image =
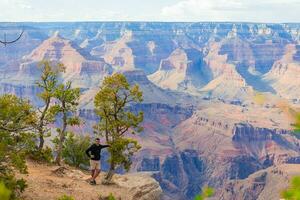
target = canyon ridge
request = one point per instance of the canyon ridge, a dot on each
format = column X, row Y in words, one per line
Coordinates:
column 219, row 98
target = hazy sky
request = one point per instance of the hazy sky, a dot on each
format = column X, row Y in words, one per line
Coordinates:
column 151, row 10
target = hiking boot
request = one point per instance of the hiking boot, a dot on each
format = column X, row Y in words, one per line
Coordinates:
column 93, row 182
column 88, row 180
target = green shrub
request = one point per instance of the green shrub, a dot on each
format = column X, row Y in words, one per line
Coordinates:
column 65, row 197
column 111, row 197
column 13, row 185
column 44, row 155
column 297, row 126
column 293, row 192
column 4, row 192
column 206, row 193
column 74, row 149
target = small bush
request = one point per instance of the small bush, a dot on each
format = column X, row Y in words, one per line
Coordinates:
column 293, row 192
column 111, row 197
column 12, row 186
column 206, row 193
column 65, row 197
column 74, row 150
column 4, row 192
column 45, row 155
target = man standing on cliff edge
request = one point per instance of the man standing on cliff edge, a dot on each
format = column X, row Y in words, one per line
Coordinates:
column 94, row 153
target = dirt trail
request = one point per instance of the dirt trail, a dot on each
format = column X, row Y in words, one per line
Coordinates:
column 44, row 184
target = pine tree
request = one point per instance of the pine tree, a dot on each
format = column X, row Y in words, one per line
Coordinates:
column 117, row 121
column 47, row 83
column 16, row 139
column 67, row 102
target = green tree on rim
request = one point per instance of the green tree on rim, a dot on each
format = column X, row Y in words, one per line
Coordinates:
column 67, row 102
column 48, row 83
column 16, row 138
column 117, row 121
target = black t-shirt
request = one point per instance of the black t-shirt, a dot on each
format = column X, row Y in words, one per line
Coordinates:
column 95, row 150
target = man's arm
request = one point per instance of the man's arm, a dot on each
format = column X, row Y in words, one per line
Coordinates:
column 105, row 146
column 88, row 151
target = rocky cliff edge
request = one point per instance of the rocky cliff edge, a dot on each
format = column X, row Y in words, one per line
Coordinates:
column 51, row 182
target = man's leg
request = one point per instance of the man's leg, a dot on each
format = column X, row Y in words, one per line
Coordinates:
column 97, row 170
column 93, row 169
column 92, row 174
column 93, row 178
column 96, row 174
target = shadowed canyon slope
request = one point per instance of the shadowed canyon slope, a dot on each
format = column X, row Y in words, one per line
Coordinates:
column 217, row 96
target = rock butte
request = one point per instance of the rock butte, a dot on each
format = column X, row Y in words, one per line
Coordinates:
column 219, row 98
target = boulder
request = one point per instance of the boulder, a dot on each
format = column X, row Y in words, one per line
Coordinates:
column 140, row 185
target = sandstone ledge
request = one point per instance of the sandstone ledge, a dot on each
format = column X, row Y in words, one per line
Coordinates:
column 51, row 182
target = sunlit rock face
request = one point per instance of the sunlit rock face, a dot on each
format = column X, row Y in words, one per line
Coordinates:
column 204, row 123
column 183, row 70
column 284, row 74
column 263, row 184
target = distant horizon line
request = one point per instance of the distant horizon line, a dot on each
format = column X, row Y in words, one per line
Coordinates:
column 141, row 21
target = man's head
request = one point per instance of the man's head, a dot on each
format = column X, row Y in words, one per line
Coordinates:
column 97, row 141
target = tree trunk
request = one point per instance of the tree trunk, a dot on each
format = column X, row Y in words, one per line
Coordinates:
column 42, row 141
column 110, row 173
column 41, row 125
column 61, row 139
column 59, row 150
